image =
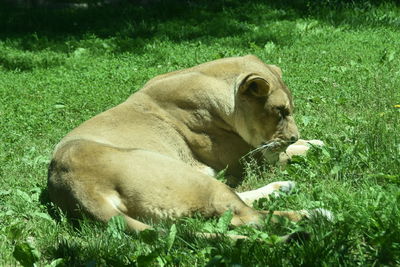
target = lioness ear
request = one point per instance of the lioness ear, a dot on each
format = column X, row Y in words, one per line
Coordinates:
column 276, row 69
column 255, row 86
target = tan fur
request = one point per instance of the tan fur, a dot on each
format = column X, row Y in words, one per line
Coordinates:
column 152, row 156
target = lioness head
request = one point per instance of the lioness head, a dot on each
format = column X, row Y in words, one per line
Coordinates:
column 264, row 109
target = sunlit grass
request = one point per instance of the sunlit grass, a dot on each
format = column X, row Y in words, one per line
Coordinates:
column 59, row 68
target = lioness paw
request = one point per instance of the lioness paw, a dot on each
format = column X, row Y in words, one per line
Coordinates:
column 264, row 192
column 316, row 142
column 275, row 188
column 303, row 142
column 300, row 148
column 283, row 186
column 320, row 212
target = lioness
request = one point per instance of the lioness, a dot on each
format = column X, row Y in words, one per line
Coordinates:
column 154, row 156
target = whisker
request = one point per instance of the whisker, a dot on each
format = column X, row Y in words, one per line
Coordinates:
column 262, row 147
column 268, row 146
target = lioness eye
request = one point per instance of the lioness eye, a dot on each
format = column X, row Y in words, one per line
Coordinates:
column 283, row 112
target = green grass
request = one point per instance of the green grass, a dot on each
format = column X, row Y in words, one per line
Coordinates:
column 58, row 68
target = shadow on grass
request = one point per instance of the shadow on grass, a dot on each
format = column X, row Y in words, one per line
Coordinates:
column 132, row 20
column 45, row 38
column 75, row 253
column 132, row 25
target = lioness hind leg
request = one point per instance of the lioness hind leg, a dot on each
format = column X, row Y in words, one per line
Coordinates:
column 298, row 215
column 264, row 192
column 80, row 184
column 255, row 218
column 97, row 206
column 106, row 209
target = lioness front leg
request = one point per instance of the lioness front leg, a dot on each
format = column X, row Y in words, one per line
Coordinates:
column 274, row 188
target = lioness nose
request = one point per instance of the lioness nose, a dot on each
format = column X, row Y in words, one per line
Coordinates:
column 293, row 139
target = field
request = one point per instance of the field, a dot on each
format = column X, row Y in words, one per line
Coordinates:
column 60, row 67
